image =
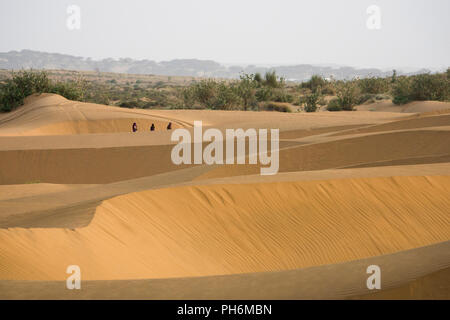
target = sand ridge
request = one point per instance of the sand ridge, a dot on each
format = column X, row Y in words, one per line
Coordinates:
column 256, row 227
column 79, row 188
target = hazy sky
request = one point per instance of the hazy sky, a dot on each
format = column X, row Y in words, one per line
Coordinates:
column 414, row 33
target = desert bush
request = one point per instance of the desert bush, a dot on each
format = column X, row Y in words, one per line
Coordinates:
column 401, row 90
column 430, row 87
column 373, row 85
column 21, row 84
column 371, row 98
column 382, row 97
column 159, row 85
column 274, row 106
column 271, row 80
column 226, row 97
column 155, row 97
column 211, row 94
column 188, row 97
column 258, row 78
column 347, row 94
column 328, row 89
column 264, row 94
column 314, row 83
column 280, row 95
column 394, row 76
column 311, row 101
column 246, row 90
column 73, row 90
column 334, row 105
column 205, row 92
column 132, row 104
column 322, row 101
column 102, row 99
column 421, row 87
column 366, row 98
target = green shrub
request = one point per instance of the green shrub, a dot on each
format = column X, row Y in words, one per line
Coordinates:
column 246, row 90
column 311, row 101
column 371, row 98
column 322, row 101
column 314, row 83
column 430, row 87
column 382, row 97
column 69, row 90
column 264, row 94
column 205, row 92
column 188, row 97
column 366, row 98
column 257, row 77
column 334, row 105
column 226, row 97
column 15, row 89
column 22, row 84
column 271, row 80
column 394, row 76
column 402, row 91
column 328, row 90
column 373, row 85
column 280, row 95
column 421, row 87
column 131, row 104
column 347, row 94
column 273, row 106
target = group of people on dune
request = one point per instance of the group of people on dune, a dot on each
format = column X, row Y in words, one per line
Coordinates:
column 134, row 127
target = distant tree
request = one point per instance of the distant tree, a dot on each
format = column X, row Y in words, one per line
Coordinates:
column 347, row 94
column 258, row 78
column 271, row 80
column 246, row 90
column 394, row 76
column 312, row 100
column 21, row 84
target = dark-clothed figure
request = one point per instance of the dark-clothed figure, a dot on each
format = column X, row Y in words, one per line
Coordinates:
column 169, row 126
column 152, row 128
column 134, row 127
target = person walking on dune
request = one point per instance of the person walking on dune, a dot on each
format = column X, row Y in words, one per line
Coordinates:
column 169, row 126
column 134, row 127
column 152, row 128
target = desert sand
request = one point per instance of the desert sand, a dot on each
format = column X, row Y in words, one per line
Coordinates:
column 353, row 189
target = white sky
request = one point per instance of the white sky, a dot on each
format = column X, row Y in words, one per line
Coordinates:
column 414, row 33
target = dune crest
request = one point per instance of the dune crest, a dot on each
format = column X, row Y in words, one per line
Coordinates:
column 51, row 114
column 353, row 188
column 226, row 229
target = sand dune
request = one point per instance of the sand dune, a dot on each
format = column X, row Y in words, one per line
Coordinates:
column 412, row 107
column 75, row 207
column 85, row 166
column 354, row 188
column 213, row 230
column 412, row 123
column 428, row 279
column 8, row 192
column 105, row 165
column 408, row 147
column 50, row 114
